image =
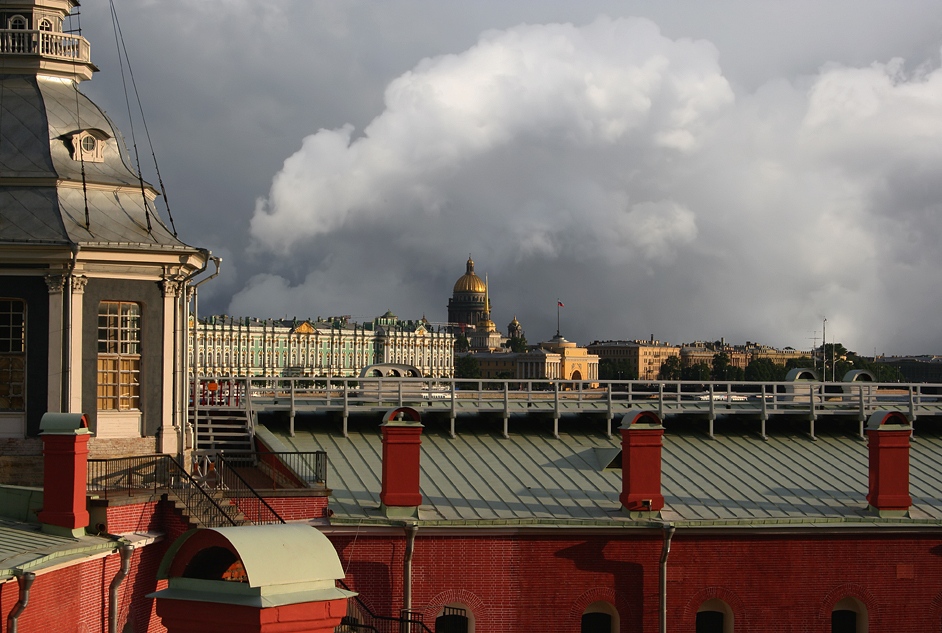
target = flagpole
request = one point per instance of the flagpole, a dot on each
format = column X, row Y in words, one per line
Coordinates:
column 557, row 315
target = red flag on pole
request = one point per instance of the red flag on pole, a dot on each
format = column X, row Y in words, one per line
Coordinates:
column 560, row 304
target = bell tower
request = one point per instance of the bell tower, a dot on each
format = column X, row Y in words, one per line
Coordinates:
column 92, row 280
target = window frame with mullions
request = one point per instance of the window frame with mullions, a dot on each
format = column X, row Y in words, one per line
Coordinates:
column 12, row 355
column 119, row 356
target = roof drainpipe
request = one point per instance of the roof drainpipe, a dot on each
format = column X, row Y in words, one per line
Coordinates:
column 662, row 577
column 25, row 581
column 411, row 529
column 126, row 551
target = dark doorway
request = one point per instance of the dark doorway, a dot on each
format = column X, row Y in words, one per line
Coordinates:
column 710, row 622
column 452, row 620
column 596, row 623
column 843, row 621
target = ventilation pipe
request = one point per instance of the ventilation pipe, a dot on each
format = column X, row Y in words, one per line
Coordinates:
column 662, row 577
column 25, row 581
column 126, row 552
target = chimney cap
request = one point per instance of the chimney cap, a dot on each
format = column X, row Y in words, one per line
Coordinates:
column 64, row 424
column 402, row 416
column 641, row 420
column 888, row 421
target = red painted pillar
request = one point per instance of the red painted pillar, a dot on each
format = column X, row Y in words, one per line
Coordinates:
column 641, row 442
column 402, row 441
column 65, row 469
column 191, row 616
column 888, row 434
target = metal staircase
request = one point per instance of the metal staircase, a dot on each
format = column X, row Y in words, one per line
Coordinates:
column 224, row 429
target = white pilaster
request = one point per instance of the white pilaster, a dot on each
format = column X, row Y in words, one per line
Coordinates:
column 169, row 428
column 55, row 283
column 77, row 297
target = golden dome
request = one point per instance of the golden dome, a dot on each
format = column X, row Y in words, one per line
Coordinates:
column 469, row 282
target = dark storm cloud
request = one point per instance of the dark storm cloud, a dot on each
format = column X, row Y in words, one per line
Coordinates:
column 736, row 170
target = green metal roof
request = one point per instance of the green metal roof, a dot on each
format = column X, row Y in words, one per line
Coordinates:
column 737, row 479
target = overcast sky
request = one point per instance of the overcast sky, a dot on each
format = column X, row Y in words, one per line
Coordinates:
column 686, row 170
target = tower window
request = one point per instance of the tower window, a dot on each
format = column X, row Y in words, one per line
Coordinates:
column 119, row 356
column 89, row 146
column 12, row 355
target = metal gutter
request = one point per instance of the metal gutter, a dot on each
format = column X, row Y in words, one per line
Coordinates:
column 126, row 551
column 25, row 581
column 411, row 528
column 662, row 577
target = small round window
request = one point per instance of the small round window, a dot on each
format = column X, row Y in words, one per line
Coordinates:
column 88, row 144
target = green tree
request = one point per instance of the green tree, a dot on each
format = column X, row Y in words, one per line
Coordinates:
column 616, row 369
column 764, row 370
column 517, row 344
column 699, row 372
column 723, row 369
column 671, row 369
column 461, row 343
column 467, row 367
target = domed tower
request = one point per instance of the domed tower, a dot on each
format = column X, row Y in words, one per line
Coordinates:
column 468, row 303
column 92, row 282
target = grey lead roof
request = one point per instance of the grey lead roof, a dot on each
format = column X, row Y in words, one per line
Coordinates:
column 481, row 478
column 38, row 117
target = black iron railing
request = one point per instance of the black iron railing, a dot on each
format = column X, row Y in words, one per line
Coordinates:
column 238, row 491
column 203, row 497
column 360, row 618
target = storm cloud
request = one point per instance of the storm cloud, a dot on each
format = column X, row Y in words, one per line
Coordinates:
column 689, row 175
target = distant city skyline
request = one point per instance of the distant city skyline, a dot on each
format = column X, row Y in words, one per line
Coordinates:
column 741, row 169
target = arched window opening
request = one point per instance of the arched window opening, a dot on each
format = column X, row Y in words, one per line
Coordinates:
column 849, row 616
column 714, row 616
column 600, row 617
column 455, row 618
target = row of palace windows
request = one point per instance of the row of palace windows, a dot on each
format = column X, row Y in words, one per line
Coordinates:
column 715, row 616
column 119, row 355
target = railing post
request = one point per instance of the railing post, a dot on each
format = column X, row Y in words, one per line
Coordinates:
column 506, row 408
column 611, row 414
column 556, row 409
column 291, row 415
column 454, row 405
column 765, row 411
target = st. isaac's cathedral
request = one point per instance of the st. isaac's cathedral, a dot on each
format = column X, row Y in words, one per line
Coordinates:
column 469, row 313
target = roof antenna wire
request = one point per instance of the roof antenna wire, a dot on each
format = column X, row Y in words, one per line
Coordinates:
column 119, row 43
column 78, row 120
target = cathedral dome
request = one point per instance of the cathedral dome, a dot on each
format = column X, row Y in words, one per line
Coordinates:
column 470, row 282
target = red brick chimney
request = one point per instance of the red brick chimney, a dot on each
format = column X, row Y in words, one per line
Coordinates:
column 402, row 440
column 65, row 469
column 888, row 433
column 641, row 443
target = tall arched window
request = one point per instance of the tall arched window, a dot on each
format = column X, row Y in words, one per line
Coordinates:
column 714, row 616
column 849, row 616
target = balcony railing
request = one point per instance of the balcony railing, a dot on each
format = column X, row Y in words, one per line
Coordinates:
column 45, row 44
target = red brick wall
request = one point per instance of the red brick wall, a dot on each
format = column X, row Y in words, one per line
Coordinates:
column 771, row 584
column 297, row 508
column 75, row 599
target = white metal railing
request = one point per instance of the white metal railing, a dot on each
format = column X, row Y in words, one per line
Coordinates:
column 44, row 43
column 666, row 397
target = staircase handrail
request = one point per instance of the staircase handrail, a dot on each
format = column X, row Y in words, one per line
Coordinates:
column 213, row 519
column 409, row 622
column 274, row 517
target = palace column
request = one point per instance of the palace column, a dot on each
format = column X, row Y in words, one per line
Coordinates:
column 170, row 341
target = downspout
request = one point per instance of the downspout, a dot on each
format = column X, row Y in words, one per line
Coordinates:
column 411, row 529
column 662, row 577
column 25, row 581
column 207, row 256
column 126, row 551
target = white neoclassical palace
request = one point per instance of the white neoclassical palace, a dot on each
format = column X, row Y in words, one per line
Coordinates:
column 331, row 347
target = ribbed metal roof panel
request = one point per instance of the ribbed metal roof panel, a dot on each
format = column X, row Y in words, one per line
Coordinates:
column 738, row 477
